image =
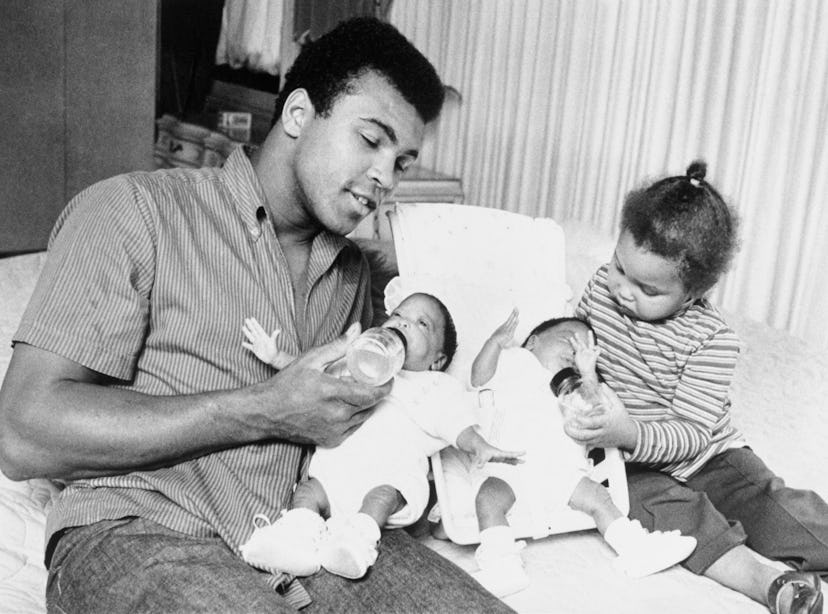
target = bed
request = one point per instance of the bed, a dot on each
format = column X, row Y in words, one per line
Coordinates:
column 779, row 394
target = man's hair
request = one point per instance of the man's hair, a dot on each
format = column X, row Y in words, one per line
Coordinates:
column 552, row 323
column 327, row 67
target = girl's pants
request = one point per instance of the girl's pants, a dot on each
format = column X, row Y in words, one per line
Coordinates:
column 734, row 499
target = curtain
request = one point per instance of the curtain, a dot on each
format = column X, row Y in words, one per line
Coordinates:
column 566, row 105
column 251, row 33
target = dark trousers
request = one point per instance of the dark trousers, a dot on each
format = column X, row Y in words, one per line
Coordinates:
column 734, row 499
column 138, row 566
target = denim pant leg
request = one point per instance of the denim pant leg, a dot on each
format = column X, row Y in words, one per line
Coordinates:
column 782, row 523
column 136, row 566
column 662, row 503
column 408, row 577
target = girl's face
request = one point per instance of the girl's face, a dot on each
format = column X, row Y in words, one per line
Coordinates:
column 421, row 322
column 645, row 286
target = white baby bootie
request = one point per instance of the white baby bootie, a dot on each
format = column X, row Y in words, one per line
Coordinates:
column 351, row 546
column 291, row 544
column 498, row 556
column 641, row 552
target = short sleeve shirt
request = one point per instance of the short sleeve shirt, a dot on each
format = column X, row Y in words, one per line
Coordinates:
column 148, row 280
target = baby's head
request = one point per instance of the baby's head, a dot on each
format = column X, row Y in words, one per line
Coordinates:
column 677, row 238
column 550, row 342
column 429, row 331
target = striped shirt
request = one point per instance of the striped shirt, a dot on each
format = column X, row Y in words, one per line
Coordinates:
column 673, row 376
column 148, row 280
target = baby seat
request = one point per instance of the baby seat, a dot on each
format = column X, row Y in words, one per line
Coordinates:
column 481, row 263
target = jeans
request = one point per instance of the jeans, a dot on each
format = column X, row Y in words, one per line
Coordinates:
column 734, row 499
column 134, row 565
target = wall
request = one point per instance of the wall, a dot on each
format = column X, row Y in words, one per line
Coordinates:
column 78, row 103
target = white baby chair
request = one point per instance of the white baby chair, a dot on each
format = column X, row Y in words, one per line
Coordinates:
column 481, row 263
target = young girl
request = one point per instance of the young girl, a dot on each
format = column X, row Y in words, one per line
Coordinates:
column 669, row 356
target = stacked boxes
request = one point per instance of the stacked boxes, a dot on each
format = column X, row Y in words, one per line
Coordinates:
column 188, row 145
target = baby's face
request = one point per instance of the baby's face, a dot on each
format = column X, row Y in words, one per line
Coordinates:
column 420, row 320
column 553, row 347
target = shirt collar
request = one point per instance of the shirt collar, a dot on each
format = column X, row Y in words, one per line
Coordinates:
column 248, row 197
column 245, row 189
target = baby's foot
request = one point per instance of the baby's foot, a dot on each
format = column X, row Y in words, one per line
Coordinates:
column 291, row 544
column 501, row 567
column 351, row 546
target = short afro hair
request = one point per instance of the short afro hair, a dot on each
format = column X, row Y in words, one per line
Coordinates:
column 327, row 67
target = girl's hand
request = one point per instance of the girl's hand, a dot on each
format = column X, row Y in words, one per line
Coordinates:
column 264, row 345
column 612, row 428
column 505, row 333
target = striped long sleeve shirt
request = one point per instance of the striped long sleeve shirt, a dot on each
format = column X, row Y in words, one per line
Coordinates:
column 672, row 375
column 148, row 280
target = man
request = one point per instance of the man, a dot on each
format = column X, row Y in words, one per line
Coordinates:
column 129, row 379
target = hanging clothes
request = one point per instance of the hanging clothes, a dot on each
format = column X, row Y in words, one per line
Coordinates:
column 251, row 35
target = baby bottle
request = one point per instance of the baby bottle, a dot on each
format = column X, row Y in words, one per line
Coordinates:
column 376, row 355
column 578, row 397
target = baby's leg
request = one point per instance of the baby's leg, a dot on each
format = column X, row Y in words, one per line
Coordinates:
column 494, row 500
column 381, row 502
column 311, row 495
column 352, row 545
column 592, row 498
column 640, row 553
column 501, row 568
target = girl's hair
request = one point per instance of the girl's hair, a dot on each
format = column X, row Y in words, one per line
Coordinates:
column 684, row 219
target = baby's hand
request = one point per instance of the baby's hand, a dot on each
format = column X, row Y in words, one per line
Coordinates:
column 505, row 333
column 264, row 345
column 488, row 453
column 586, row 354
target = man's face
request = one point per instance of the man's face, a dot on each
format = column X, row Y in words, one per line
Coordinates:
column 347, row 162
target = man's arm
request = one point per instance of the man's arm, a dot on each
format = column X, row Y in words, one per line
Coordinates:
column 60, row 420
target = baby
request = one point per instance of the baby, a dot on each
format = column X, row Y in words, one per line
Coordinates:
column 378, row 476
column 520, row 377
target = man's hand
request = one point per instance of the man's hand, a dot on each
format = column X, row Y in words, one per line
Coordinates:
column 612, row 428
column 315, row 407
column 264, row 345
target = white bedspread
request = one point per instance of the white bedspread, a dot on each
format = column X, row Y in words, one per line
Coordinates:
column 779, row 393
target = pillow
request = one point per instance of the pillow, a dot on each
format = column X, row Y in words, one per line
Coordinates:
column 478, row 308
column 382, row 260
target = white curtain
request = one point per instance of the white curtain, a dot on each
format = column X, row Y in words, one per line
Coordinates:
column 251, row 32
column 568, row 104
